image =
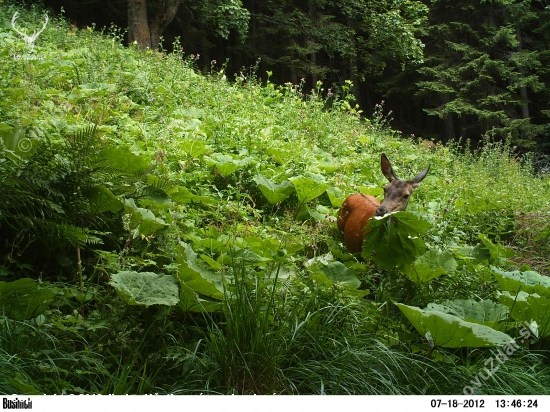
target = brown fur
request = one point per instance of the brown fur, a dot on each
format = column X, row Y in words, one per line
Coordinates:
column 354, row 215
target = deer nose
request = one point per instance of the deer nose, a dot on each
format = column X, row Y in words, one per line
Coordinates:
column 381, row 211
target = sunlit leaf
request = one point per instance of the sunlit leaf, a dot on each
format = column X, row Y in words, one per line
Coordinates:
column 474, row 254
column 122, row 159
column 143, row 220
column 450, row 331
column 527, row 281
column 328, row 272
column 336, row 196
column 194, row 147
column 485, row 312
column 308, row 187
column 201, row 289
column 227, row 164
column 182, row 195
column 526, row 307
column 146, row 288
column 339, row 273
column 497, row 252
column 266, row 247
column 431, row 265
column 325, row 161
column 274, row 192
column 281, row 155
column 375, row 191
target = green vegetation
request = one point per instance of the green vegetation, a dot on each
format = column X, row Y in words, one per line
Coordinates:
column 169, row 232
column 447, row 69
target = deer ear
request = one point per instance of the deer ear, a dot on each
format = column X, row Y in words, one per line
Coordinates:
column 416, row 181
column 386, row 168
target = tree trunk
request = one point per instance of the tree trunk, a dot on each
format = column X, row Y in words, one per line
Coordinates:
column 139, row 30
column 166, row 12
column 138, row 24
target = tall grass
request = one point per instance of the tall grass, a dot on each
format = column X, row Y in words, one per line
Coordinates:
column 258, row 348
column 251, row 343
column 34, row 360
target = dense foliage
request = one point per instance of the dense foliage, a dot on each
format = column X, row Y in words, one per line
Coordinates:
column 172, row 232
column 484, row 70
column 447, row 69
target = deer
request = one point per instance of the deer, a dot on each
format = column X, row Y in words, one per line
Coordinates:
column 357, row 209
column 29, row 40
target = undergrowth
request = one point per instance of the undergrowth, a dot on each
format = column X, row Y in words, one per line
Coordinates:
column 220, row 194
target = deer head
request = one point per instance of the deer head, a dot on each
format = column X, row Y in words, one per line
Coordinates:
column 397, row 192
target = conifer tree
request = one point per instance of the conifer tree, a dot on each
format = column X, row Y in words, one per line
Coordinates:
column 481, row 68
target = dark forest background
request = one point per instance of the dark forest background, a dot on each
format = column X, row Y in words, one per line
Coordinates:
column 445, row 69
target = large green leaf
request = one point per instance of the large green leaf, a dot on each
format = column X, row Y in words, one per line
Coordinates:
column 308, row 187
column 281, row 154
column 146, row 288
column 336, row 196
column 227, row 164
column 267, row 247
column 188, row 113
column 527, row 281
column 195, row 147
column 24, row 298
column 182, row 195
column 143, row 220
column 17, row 141
column 375, row 191
column 325, row 161
column 337, row 272
column 485, row 312
column 496, row 251
column 526, row 307
column 201, row 290
column 180, row 126
column 473, row 254
column 394, row 240
column 431, row 265
column 442, row 329
column 270, row 246
column 95, row 89
column 103, row 200
column 328, row 273
column 274, row 192
column 122, row 159
column 248, row 255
